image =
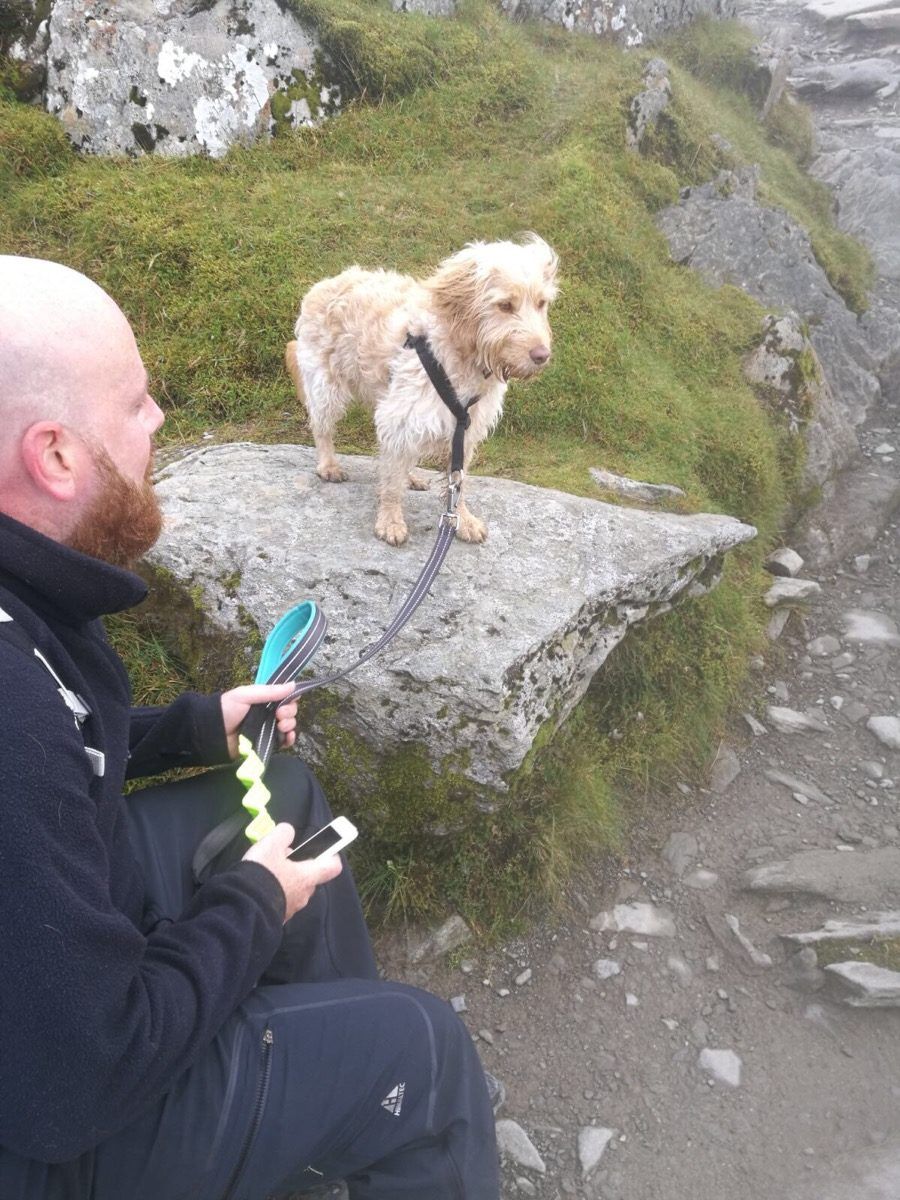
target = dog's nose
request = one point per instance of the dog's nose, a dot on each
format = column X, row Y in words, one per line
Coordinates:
column 539, row 354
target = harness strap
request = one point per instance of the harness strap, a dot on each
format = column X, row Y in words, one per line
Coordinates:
column 447, row 392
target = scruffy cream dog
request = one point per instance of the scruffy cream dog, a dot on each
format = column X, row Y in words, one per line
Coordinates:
column 484, row 313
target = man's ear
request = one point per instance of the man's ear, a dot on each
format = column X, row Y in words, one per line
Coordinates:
column 54, row 458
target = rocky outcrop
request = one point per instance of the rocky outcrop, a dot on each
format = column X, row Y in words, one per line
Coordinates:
column 786, row 370
column 866, row 185
column 721, row 230
column 649, row 105
column 503, row 648
column 631, row 22
column 179, row 77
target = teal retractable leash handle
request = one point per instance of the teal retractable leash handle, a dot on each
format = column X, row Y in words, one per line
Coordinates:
column 288, row 648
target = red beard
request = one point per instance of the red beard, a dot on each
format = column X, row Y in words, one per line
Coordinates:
column 123, row 521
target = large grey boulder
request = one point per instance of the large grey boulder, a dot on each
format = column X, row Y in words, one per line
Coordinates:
column 866, row 183
column 721, row 230
column 180, row 77
column 505, row 645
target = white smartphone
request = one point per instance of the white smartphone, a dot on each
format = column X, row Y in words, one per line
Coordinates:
column 329, row 840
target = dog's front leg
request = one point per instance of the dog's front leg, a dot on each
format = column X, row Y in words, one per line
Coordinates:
column 393, row 479
column 469, row 527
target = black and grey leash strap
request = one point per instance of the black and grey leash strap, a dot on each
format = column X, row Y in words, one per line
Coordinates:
column 260, row 725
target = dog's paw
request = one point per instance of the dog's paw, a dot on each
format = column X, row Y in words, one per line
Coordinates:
column 417, row 484
column 470, row 528
column 391, row 529
column 332, row 473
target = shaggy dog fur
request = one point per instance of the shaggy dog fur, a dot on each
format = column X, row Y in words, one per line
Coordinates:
column 484, row 312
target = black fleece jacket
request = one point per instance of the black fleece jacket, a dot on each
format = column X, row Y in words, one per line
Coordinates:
column 98, row 1017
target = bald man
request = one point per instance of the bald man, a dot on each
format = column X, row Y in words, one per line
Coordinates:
column 160, row 1038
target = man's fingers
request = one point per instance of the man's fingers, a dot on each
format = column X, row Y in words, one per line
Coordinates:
column 261, row 693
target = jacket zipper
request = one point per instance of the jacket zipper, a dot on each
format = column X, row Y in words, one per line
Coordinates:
column 268, row 1040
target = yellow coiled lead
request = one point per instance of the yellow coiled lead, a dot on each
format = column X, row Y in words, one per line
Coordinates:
column 250, row 773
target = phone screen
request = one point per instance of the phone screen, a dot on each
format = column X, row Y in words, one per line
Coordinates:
column 317, row 844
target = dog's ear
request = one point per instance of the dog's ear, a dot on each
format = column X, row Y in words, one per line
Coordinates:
column 457, row 288
column 547, row 256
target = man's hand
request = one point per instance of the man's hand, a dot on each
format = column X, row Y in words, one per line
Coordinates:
column 238, row 702
column 298, row 879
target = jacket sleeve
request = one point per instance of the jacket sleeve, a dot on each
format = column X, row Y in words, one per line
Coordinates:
column 97, row 1020
column 188, row 733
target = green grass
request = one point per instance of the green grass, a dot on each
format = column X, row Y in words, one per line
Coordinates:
column 881, row 952
column 462, row 130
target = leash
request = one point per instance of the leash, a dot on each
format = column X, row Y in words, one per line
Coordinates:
column 299, row 633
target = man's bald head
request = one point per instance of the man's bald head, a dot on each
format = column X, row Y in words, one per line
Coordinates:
column 61, row 336
column 76, row 419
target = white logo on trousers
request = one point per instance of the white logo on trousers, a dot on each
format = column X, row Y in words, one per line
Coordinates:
column 393, row 1101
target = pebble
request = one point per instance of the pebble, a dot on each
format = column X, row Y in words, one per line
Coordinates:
column 861, row 563
column 843, row 660
column 790, row 591
column 642, row 918
column 680, row 851
column 788, row 720
column 723, row 1065
column 885, row 448
column 784, row 562
column 525, row 1186
column 821, row 647
column 606, row 968
column 871, row 628
column 756, row 727
column 486, row 1036
column 592, row 1142
column 701, row 880
column 458, row 1004
column 523, row 978
column 631, row 1000
column 515, row 1143
column 886, row 729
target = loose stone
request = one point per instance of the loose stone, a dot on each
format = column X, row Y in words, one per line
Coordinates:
column 640, row 918
column 680, row 851
column 606, row 968
column 515, row 1143
column 872, row 628
column 821, row 647
column 701, row 880
column 791, row 591
column 756, row 727
column 872, row 987
column 887, row 730
column 592, row 1142
column 788, row 720
column 757, row 957
column 458, row 1004
column 723, row 1065
column 784, row 562
column 524, row 977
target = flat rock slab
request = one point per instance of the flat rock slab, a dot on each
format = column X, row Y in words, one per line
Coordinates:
column 887, row 926
column 508, row 639
column 870, row 986
column 870, row 877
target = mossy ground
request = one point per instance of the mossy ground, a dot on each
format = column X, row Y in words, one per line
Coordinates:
column 476, row 129
column 882, row 952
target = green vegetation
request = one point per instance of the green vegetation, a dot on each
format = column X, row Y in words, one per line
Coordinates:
column 474, row 129
column 881, row 952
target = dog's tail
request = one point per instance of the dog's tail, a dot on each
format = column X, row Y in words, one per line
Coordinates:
column 293, row 367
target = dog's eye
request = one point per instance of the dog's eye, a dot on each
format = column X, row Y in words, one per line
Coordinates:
column 506, row 306
column 541, row 304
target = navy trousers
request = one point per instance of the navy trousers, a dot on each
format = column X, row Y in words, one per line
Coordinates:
column 325, row 1072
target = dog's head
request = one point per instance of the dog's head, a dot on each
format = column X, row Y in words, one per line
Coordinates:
column 494, row 298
